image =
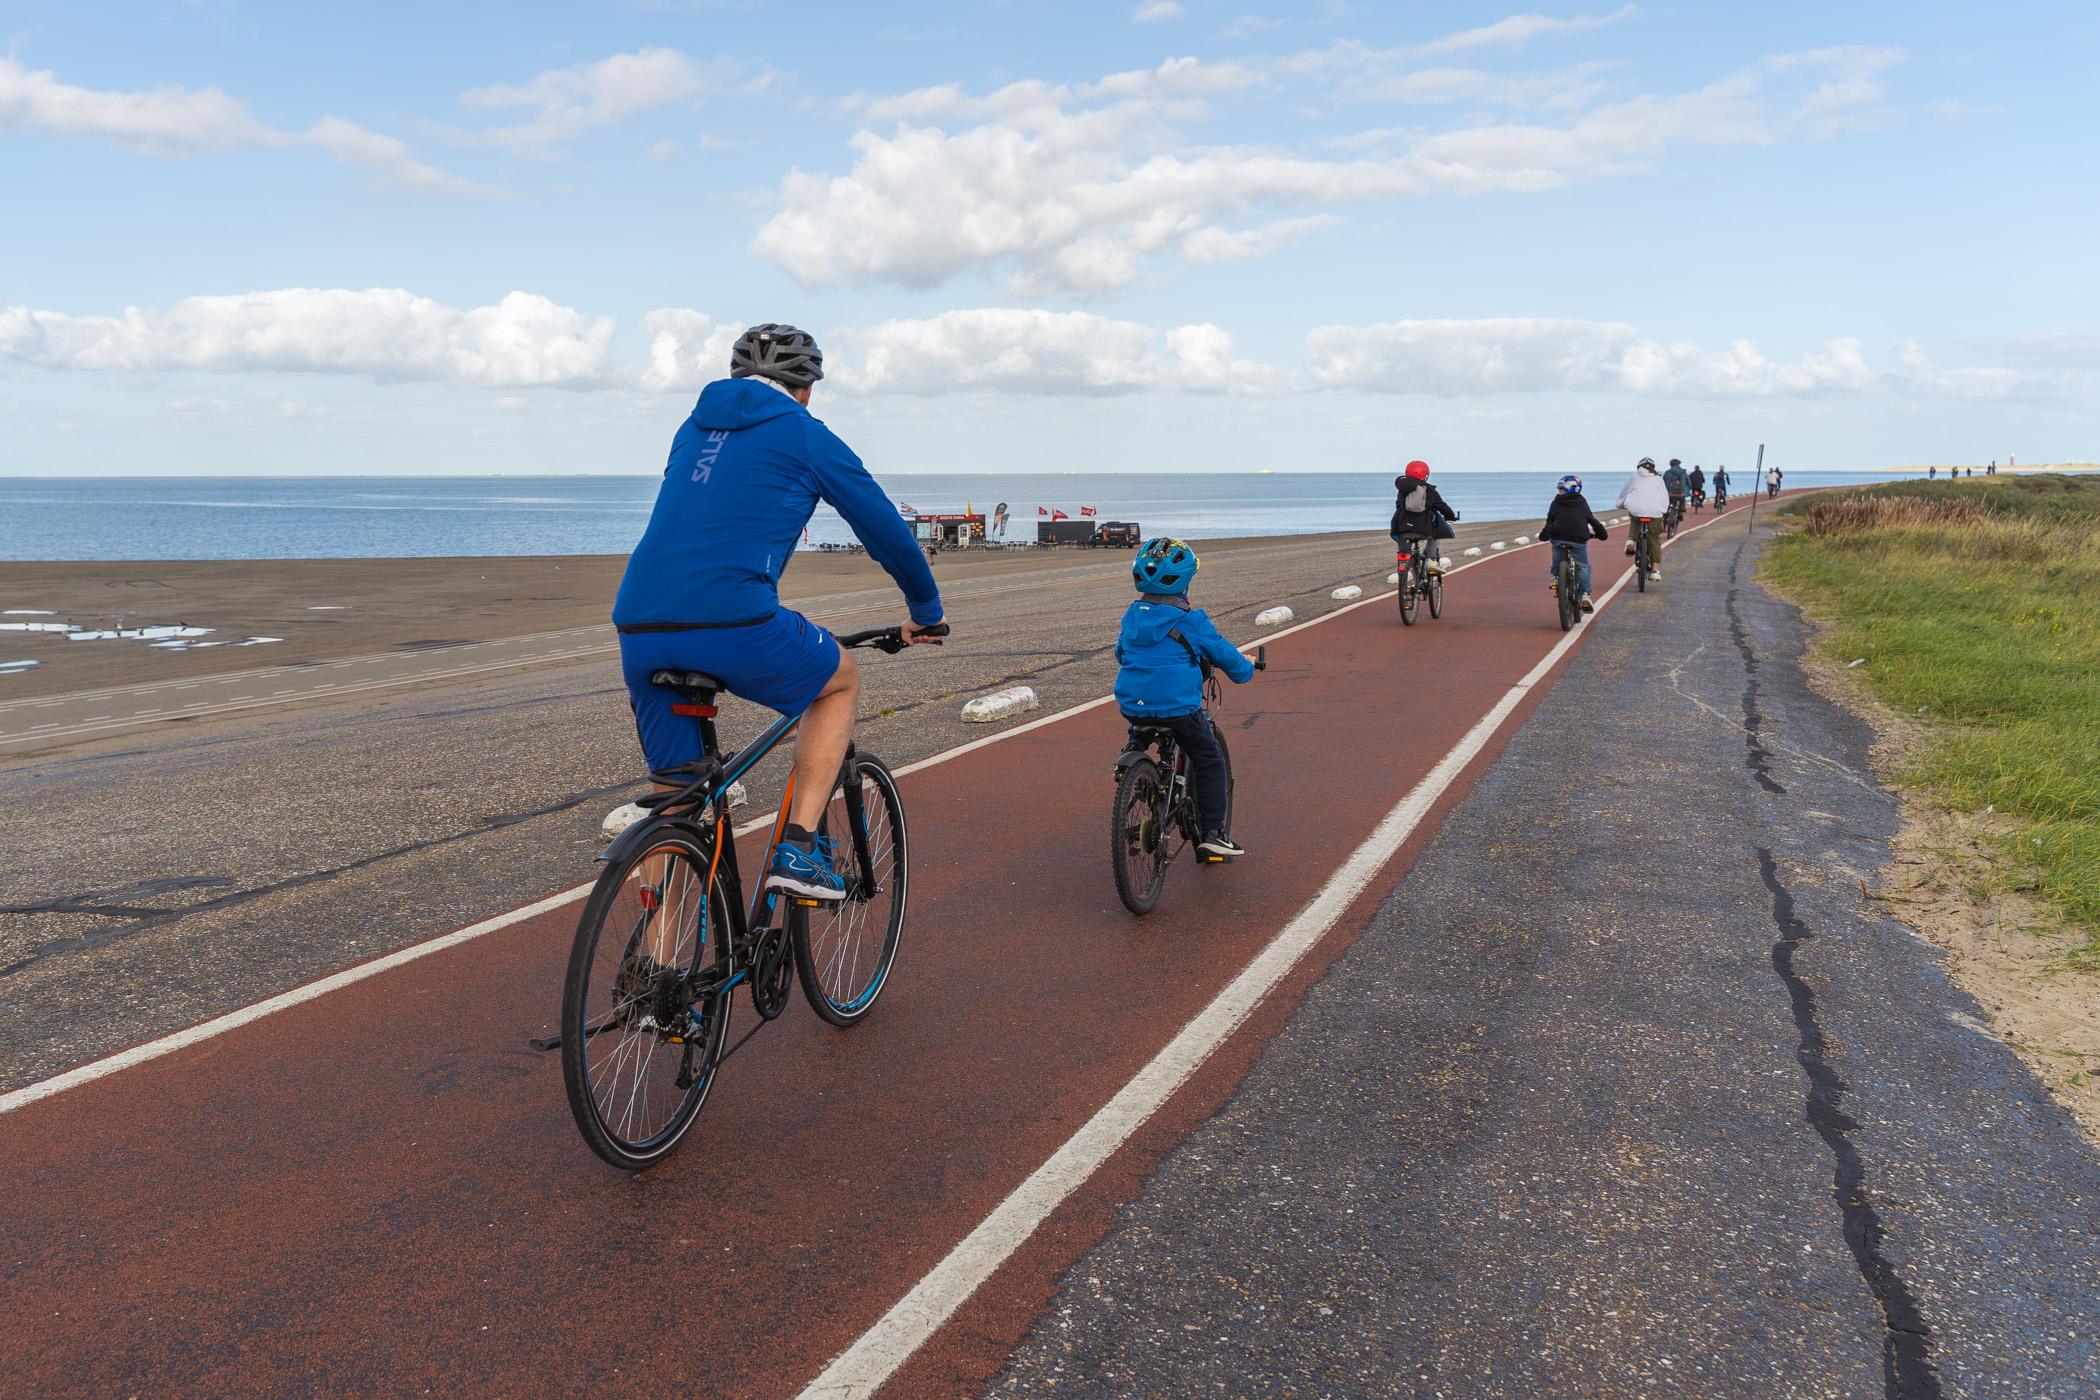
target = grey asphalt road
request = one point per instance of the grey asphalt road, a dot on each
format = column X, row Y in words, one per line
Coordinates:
column 160, row 872
column 1626, row 1090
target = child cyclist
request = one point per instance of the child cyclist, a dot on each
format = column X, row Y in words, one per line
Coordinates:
column 1164, row 642
column 1570, row 526
column 1421, row 512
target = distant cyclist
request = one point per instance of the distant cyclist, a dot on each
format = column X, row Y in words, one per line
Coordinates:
column 1161, row 651
column 1570, row 526
column 702, row 590
column 1674, row 483
column 1420, row 511
column 1772, row 479
column 1647, row 500
column 1696, row 480
column 1720, row 487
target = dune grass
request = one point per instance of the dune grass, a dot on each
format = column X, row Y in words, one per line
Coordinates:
column 1976, row 605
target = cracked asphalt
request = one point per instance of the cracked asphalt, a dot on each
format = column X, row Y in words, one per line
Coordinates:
column 1626, row 1090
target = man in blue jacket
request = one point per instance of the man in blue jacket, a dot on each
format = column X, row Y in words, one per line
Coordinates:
column 702, row 590
column 1164, row 642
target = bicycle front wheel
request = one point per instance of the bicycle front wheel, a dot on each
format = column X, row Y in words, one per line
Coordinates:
column 642, row 1023
column 1433, row 586
column 1140, row 836
column 844, row 950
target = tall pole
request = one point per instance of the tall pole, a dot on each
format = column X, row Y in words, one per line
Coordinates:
column 1757, row 486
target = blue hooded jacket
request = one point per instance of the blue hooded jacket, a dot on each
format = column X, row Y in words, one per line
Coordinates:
column 1159, row 678
column 746, row 472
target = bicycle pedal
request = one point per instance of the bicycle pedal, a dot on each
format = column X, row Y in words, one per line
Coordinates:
column 806, row 903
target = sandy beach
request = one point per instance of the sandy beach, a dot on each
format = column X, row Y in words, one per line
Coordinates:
column 321, row 609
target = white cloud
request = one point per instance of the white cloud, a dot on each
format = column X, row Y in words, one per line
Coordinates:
column 686, row 348
column 563, row 103
column 1158, row 12
column 1535, row 355
column 1032, row 351
column 162, row 121
column 527, row 341
column 1077, row 189
column 171, row 121
column 387, row 158
column 1518, row 29
column 384, row 333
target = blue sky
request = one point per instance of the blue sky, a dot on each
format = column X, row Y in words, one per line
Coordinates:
column 1048, row 236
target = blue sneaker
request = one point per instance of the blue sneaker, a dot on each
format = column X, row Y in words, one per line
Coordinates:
column 806, row 870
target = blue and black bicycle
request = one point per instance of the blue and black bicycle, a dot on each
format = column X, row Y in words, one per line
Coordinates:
column 667, row 939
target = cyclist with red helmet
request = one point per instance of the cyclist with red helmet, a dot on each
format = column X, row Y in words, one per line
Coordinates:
column 1421, row 511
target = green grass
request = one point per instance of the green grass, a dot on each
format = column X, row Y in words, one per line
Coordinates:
column 1977, row 607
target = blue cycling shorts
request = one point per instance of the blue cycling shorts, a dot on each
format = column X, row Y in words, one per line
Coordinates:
column 783, row 663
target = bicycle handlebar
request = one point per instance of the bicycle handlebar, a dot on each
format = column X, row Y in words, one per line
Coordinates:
column 890, row 639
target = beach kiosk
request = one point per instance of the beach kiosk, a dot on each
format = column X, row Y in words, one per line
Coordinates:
column 963, row 531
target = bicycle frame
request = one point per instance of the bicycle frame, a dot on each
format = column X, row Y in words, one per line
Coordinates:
column 709, row 789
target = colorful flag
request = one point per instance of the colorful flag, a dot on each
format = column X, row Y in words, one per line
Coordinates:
column 1042, row 510
column 1086, row 510
column 907, row 510
column 1059, row 515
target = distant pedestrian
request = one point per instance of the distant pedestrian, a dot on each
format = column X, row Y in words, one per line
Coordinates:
column 1932, row 473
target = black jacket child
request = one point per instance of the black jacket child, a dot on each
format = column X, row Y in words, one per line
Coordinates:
column 1418, row 522
column 1569, row 518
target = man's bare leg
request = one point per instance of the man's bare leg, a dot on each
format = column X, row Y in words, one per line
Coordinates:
column 820, row 743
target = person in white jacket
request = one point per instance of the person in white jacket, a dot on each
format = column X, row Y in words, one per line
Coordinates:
column 1647, row 500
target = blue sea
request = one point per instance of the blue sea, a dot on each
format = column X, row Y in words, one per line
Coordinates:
column 407, row 517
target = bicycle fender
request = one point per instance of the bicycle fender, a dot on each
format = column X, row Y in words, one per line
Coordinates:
column 1129, row 758
column 648, row 829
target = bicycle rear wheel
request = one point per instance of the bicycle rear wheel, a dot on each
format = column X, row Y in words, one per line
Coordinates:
column 1410, row 593
column 1140, row 835
column 1640, row 562
column 844, row 950
column 638, row 1049
column 1570, row 603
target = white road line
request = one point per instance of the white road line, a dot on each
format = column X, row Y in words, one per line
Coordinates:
column 350, row 976
column 862, row 1368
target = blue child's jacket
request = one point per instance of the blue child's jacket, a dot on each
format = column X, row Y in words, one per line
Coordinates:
column 1159, row 678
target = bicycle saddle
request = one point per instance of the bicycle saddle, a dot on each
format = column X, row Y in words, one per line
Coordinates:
column 696, row 685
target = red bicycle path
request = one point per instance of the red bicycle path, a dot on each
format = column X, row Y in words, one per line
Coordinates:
column 382, row 1190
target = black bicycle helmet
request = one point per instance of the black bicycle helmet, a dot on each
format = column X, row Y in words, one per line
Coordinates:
column 777, row 352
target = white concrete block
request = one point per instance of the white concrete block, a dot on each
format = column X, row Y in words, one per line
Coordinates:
column 1472, row 553
column 1521, row 539
column 620, row 818
column 1392, row 578
column 1499, row 544
column 1001, row 704
column 1346, row 592
column 1273, row 617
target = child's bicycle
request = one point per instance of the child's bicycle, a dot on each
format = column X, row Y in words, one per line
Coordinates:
column 1565, row 593
column 1154, row 815
column 1698, row 501
column 665, row 940
column 1418, row 582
